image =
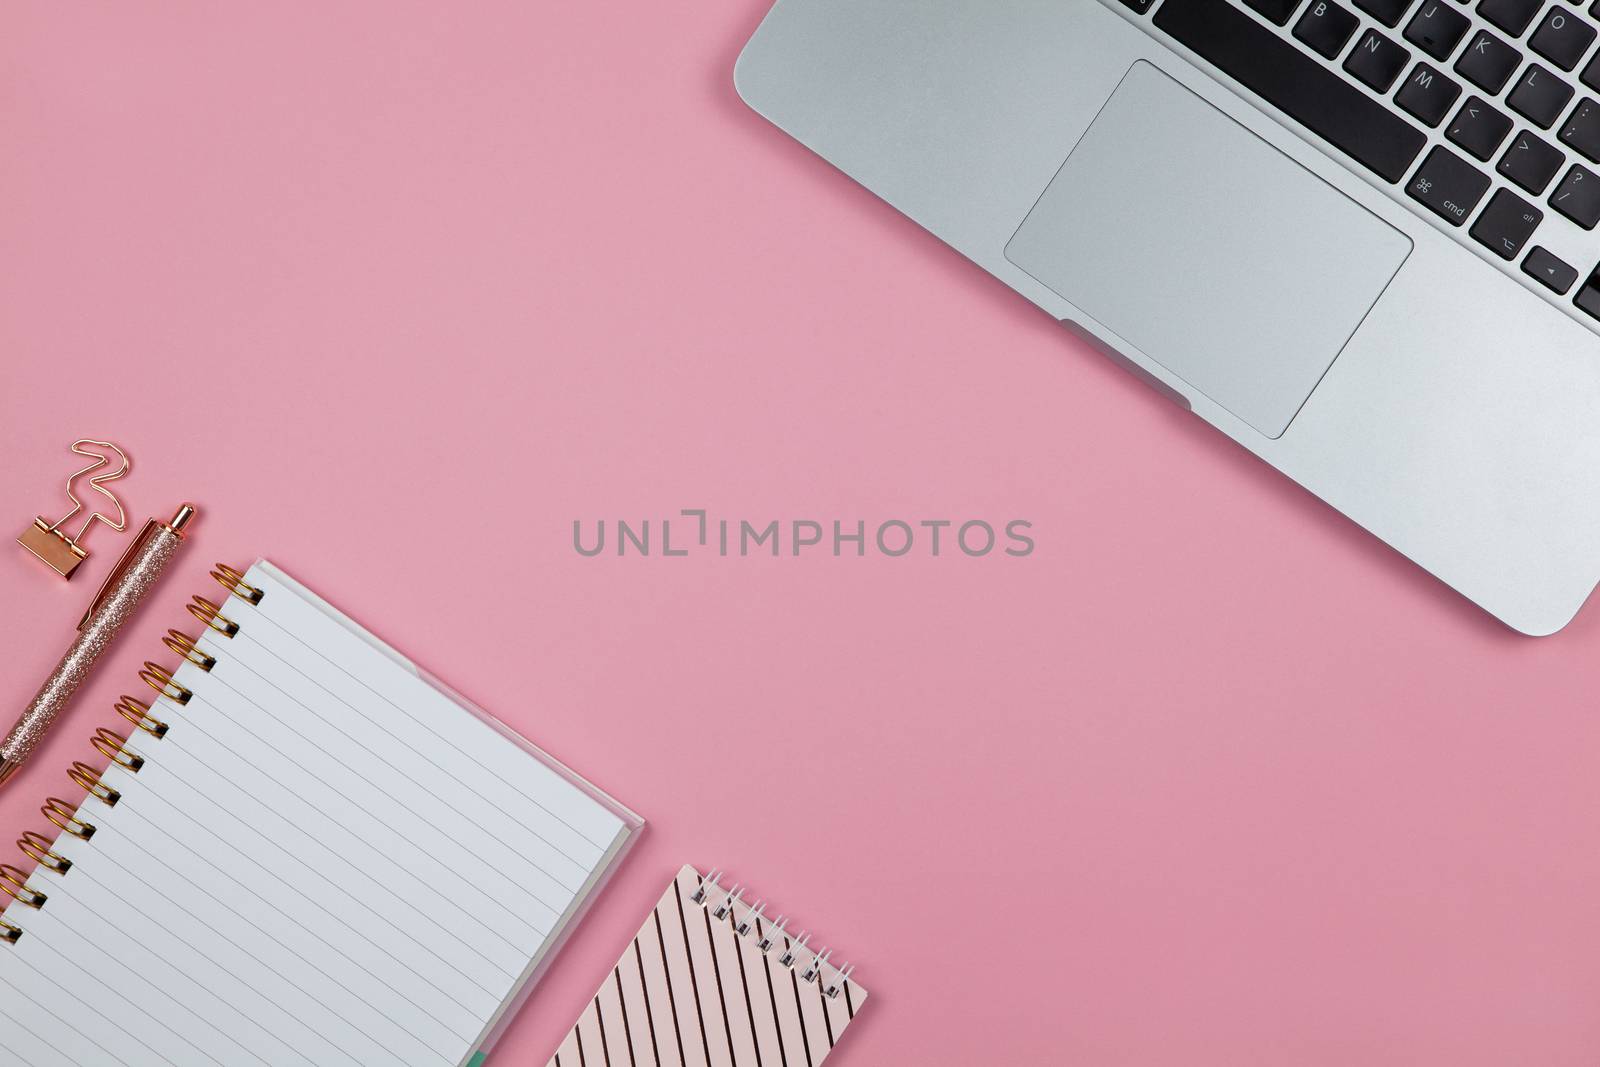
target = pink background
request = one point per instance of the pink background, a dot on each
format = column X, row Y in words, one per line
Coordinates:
column 395, row 292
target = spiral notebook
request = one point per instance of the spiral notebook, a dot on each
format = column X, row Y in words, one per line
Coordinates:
column 711, row 980
column 305, row 852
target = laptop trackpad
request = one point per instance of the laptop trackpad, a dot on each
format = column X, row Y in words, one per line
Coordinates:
column 1211, row 251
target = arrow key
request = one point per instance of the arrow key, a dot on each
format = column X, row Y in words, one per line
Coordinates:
column 1550, row 271
column 1506, row 224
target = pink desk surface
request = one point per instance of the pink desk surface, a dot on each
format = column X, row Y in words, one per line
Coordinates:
column 396, row 292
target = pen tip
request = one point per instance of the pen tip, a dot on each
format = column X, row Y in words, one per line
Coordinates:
column 184, row 516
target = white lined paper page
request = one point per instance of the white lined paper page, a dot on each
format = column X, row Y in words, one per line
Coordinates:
column 326, row 860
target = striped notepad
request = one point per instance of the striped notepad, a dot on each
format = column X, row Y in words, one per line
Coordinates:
column 713, row 981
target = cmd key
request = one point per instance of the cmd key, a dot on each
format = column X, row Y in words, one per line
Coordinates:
column 1449, row 185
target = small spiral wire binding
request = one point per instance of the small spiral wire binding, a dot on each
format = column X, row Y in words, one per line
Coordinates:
column 138, row 712
column 708, row 883
column 114, row 747
column 844, row 977
column 721, row 911
column 234, row 582
column 10, row 934
column 185, row 646
column 791, row 955
column 743, row 926
column 14, row 883
column 36, row 847
column 65, row 816
column 160, row 679
column 86, row 776
column 769, row 940
column 811, row 972
column 211, row 614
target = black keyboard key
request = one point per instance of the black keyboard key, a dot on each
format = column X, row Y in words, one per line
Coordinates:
column 1288, row 79
column 1387, row 12
column 1488, row 62
column 1427, row 95
column 1582, row 129
column 1449, row 185
column 1141, row 6
column 1591, row 74
column 1588, row 298
column 1512, row 16
column 1506, row 224
column 1578, row 197
column 1551, row 271
column 1437, row 28
column 1478, row 128
column 1539, row 96
column 1377, row 61
column 1562, row 38
column 1530, row 162
column 1276, row 10
column 1326, row 27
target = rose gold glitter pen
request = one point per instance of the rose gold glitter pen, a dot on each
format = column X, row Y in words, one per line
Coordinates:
column 113, row 605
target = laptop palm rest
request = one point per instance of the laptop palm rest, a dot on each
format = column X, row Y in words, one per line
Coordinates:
column 1209, row 250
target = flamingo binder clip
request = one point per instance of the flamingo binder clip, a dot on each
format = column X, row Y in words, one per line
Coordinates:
column 48, row 541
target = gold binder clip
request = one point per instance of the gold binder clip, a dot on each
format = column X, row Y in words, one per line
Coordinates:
column 60, row 551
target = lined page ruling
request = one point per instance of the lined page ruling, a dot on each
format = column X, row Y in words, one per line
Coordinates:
column 326, row 859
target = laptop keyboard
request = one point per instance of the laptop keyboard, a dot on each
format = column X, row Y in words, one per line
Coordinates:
column 1485, row 115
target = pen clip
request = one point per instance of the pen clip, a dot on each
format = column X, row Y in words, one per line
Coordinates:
column 115, row 576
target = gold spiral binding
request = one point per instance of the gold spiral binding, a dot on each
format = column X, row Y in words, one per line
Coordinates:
column 138, row 712
column 185, row 646
column 87, row 777
column 36, row 847
column 14, row 882
column 211, row 614
column 114, row 747
column 160, row 679
column 233, row 581
column 65, row 816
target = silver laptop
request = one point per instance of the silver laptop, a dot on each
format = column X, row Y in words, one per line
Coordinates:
column 1357, row 236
